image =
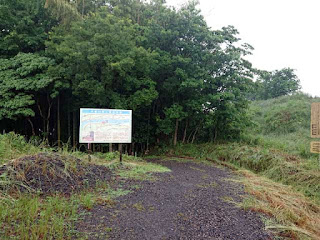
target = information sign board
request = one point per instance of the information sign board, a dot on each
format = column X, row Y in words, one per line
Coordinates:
column 315, row 120
column 315, row 147
column 105, row 126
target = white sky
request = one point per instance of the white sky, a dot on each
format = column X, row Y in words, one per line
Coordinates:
column 284, row 33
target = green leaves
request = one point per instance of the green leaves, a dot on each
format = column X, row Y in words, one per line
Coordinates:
column 277, row 83
column 24, row 26
column 21, row 77
column 167, row 65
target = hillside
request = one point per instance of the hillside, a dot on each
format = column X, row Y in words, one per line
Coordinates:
column 282, row 123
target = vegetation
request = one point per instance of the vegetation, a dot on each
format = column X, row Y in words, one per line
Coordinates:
column 284, row 177
column 184, row 81
column 291, row 170
column 13, row 146
column 28, row 211
column 275, row 84
column 282, row 123
column 294, row 215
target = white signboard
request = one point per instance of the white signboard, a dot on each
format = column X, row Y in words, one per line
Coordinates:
column 105, row 125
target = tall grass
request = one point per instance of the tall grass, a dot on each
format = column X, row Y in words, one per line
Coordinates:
column 282, row 123
column 13, row 146
column 295, row 216
column 302, row 174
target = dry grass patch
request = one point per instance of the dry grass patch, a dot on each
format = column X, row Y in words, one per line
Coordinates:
column 296, row 217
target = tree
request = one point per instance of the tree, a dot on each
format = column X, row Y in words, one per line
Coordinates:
column 200, row 70
column 24, row 26
column 184, row 81
column 24, row 83
column 277, row 83
column 104, row 66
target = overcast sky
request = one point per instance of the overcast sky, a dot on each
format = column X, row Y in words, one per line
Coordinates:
column 284, row 33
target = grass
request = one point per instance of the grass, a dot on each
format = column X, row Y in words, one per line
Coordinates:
column 28, row 216
column 295, row 216
column 33, row 216
column 282, row 123
column 14, row 146
column 139, row 170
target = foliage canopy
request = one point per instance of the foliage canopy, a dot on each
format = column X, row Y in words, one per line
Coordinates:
column 184, row 81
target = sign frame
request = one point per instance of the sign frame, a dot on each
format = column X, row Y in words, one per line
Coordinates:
column 315, row 120
column 315, row 147
column 106, row 116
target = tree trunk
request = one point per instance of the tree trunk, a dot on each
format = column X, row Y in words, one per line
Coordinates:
column 194, row 135
column 58, row 122
column 46, row 119
column 69, row 123
column 82, row 8
column 185, row 132
column 148, row 131
column 215, row 134
column 176, row 133
column 32, row 127
column 74, row 130
column 110, row 147
column 133, row 153
column 188, row 141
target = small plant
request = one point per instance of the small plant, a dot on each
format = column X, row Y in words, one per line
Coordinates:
column 138, row 170
column 87, row 200
column 138, row 206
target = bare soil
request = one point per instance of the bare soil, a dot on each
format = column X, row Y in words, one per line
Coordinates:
column 194, row 201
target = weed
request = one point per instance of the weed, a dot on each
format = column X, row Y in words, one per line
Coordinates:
column 138, row 170
column 212, row 184
column 116, row 193
column 227, row 199
column 87, row 200
column 30, row 216
column 14, row 146
column 198, row 169
column 182, row 216
column 205, row 176
column 138, row 206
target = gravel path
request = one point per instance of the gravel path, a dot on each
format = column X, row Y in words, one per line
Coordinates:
column 191, row 202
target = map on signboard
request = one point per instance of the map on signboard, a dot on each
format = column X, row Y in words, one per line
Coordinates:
column 105, row 126
column 315, row 120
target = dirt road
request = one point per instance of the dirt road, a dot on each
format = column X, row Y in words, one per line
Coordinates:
column 193, row 201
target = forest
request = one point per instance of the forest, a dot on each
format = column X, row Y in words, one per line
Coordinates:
column 184, row 81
